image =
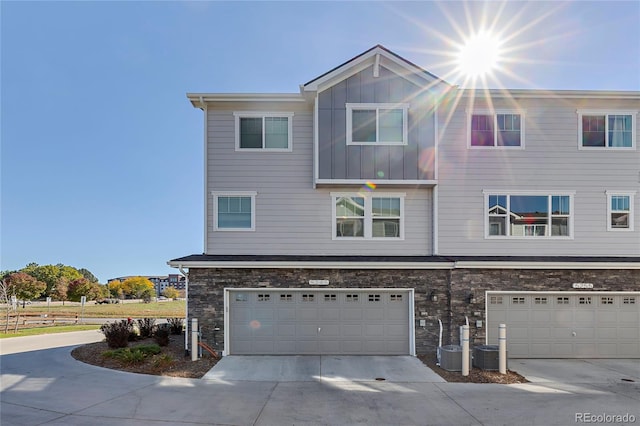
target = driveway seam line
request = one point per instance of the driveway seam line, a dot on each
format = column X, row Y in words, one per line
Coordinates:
column 265, row 403
column 456, row 403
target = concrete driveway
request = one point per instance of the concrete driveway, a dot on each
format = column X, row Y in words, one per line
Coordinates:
column 322, row 368
column 48, row 387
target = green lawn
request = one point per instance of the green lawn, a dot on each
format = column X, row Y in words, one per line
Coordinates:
column 49, row 330
column 168, row 309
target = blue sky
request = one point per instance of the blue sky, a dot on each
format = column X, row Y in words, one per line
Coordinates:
column 101, row 152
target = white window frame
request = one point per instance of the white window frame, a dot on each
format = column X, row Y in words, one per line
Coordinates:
column 368, row 215
column 548, row 194
column 494, row 113
column 259, row 114
column 606, row 113
column 217, row 194
column 631, row 196
column 377, row 107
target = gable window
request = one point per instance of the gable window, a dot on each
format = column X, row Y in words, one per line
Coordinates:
column 528, row 215
column 606, row 130
column 234, row 211
column 619, row 211
column 256, row 131
column 381, row 124
column 368, row 217
column 496, row 130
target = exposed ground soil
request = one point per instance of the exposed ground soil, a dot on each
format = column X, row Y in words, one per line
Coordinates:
column 180, row 365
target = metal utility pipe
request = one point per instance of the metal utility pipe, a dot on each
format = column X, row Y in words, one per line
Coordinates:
column 502, row 349
column 465, row 350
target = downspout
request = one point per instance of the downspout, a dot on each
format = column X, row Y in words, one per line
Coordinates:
column 186, row 313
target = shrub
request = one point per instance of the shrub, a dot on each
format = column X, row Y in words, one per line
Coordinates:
column 161, row 335
column 135, row 355
column 117, row 333
column 176, row 325
column 162, row 362
column 145, row 325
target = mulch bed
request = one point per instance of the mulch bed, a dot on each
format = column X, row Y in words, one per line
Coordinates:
column 476, row 375
column 178, row 365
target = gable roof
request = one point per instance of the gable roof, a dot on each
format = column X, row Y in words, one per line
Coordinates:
column 377, row 55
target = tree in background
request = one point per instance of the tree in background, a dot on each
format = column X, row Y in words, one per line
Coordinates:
column 116, row 289
column 138, row 287
column 50, row 274
column 60, row 292
column 24, row 286
column 171, row 293
column 83, row 287
column 88, row 275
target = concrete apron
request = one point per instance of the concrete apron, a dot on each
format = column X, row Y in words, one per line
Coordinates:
column 318, row 368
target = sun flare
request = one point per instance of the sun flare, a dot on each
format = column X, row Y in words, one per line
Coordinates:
column 480, row 55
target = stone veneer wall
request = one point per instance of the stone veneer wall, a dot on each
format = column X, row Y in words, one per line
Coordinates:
column 452, row 287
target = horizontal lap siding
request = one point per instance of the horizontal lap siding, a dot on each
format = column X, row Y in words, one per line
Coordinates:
column 550, row 161
column 291, row 216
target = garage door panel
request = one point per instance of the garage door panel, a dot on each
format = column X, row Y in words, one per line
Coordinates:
column 306, row 330
column 354, row 347
column 585, row 317
column 314, row 322
column 561, row 350
column 606, row 333
column 351, row 313
column 372, row 314
column 286, row 330
column 352, row 330
column 329, row 331
column 286, row 314
column 540, row 333
column 373, row 330
column 307, row 313
column 329, row 346
column 540, row 349
column 331, row 314
column 571, row 325
column 399, row 330
column 543, row 316
column 627, row 333
column 629, row 317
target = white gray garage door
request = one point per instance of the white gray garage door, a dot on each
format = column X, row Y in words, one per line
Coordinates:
column 300, row 321
column 566, row 324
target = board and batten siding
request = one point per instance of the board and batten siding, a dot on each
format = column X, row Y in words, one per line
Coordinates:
column 337, row 160
column 291, row 216
column 550, row 161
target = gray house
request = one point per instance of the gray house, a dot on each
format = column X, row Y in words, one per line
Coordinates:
column 356, row 216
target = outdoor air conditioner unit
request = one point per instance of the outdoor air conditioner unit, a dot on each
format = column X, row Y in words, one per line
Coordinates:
column 451, row 357
column 486, row 357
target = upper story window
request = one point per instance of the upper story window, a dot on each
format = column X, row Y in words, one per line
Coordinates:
column 532, row 215
column 366, row 217
column 620, row 211
column 606, row 129
column 258, row 131
column 234, row 211
column 504, row 129
column 380, row 124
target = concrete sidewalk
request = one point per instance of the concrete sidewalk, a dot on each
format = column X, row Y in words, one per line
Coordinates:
column 49, row 387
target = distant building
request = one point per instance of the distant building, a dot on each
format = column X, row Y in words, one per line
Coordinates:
column 160, row 282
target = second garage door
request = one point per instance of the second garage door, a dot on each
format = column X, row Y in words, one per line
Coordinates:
column 566, row 324
column 336, row 322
